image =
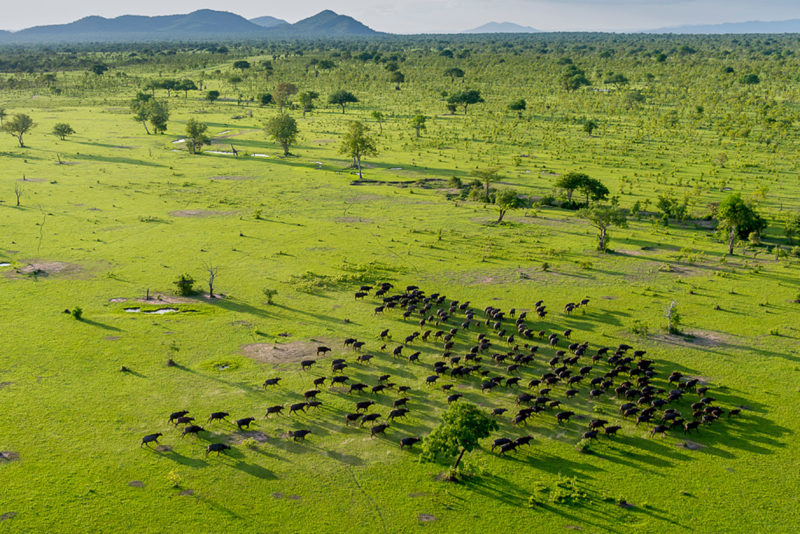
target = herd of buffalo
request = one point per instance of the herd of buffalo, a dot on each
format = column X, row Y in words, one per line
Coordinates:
column 491, row 349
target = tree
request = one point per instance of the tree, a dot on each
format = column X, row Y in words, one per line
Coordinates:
column 19, row 189
column 454, row 73
column 791, row 227
column 186, row 86
column 634, row 97
column 283, row 129
column 99, row 69
column 570, row 182
column 265, row 99
column 283, row 94
column 185, row 285
column 505, row 200
column 157, row 115
column 519, row 106
column 241, row 65
column 212, row 276
column 212, row 95
column 750, row 79
column 462, row 426
column 590, row 126
column 465, row 98
column 739, row 219
column 235, row 81
column 62, row 130
column 307, row 101
column 268, row 69
column 342, row 98
column 593, row 189
column 673, row 318
column 418, row 122
column 326, row 64
column 574, row 78
column 486, row 176
column 196, row 135
column 357, row 143
column 139, row 108
column 617, row 79
column 397, row 78
column 602, row 218
column 3, row 116
column 18, row 126
column 378, row 116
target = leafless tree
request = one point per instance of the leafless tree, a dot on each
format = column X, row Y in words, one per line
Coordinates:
column 18, row 190
column 212, row 271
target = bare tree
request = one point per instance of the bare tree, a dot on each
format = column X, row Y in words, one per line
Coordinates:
column 212, row 271
column 18, row 190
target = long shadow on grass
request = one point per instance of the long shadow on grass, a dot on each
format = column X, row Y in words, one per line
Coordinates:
column 121, row 160
column 98, row 324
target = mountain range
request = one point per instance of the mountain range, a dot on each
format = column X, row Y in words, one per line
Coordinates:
column 204, row 24
column 502, row 27
column 778, row 26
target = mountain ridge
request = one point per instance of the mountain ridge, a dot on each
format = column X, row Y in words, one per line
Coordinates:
column 502, row 27
column 754, row 26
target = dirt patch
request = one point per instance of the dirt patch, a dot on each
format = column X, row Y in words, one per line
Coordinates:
column 696, row 338
column 111, row 338
column 294, row 497
column 278, row 495
column 136, row 484
column 352, row 220
column 624, row 252
column 8, row 515
column 34, row 180
column 259, row 437
column 324, row 141
column 9, row 456
column 168, row 299
column 415, row 495
column 186, row 492
column 424, row 518
column 286, row 352
column 120, row 299
column 164, row 448
column 48, row 268
column 232, row 178
column 691, row 445
column 5, row 384
column 200, row 213
column 609, row 298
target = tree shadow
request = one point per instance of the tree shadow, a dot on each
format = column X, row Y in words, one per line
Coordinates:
column 100, row 325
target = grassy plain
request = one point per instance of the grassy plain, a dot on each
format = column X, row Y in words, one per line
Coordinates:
column 126, row 213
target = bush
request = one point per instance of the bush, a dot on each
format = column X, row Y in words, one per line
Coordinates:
column 185, row 285
column 77, row 313
column 174, row 478
column 269, row 293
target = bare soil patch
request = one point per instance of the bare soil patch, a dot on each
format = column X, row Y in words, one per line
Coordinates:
column 47, row 268
column 324, row 141
column 232, row 178
column 136, row 484
column 5, row 384
column 8, row 515
column 259, row 437
column 186, row 492
column 120, row 299
column 696, row 338
column 352, row 220
column 163, row 448
column 200, row 213
column 286, row 352
column 691, row 445
column 162, row 298
column 424, row 518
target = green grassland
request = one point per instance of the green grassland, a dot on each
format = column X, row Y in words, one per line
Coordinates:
column 126, row 213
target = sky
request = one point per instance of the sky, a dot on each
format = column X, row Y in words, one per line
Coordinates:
column 432, row 16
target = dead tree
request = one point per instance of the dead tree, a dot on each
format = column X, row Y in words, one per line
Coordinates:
column 18, row 190
column 212, row 275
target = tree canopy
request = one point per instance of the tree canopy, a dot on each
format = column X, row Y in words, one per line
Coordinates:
column 357, row 143
column 196, row 135
column 602, row 218
column 739, row 219
column 62, row 130
column 462, row 426
column 283, row 129
column 18, row 126
column 465, row 98
column 342, row 98
column 519, row 106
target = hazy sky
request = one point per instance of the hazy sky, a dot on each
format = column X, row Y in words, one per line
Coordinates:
column 431, row 16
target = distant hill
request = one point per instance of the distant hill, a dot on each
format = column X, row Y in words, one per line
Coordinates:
column 502, row 27
column 329, row 23
column 778, row 26
column 202, row 25
column 268, row 22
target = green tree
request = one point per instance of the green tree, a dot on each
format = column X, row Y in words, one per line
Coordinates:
column 507, row 199
column 99, row 69
column 307, row 101
column 519, row 106
column 186, row 86
column 465, row 98
column 397, row 78
column 454, row 73
column 62, row 130
column 139, row 108
column 462, row 426
column 212, row 96
column 357, row 143
column 738, row 219
column 3, row 116
column 265, row 99
column 379, row 118
column 570, row 182
column 751, row 79
column 157, row 115
column 185, row 285
column 241, row 65
column 574, row 78
column 196, row 135
column 593, row 189
column 589, row 126
column 791, row 227
column 283, row 129
column 342, row 98
column 18, row 126
column 602, row 218
column 487, row 176
column 283, row 94
column 418, row 122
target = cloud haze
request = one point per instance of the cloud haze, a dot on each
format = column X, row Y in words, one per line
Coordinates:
column 435, row 16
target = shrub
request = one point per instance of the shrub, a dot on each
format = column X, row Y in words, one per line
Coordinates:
column 185, row 285
column 174, row 478
column 269, row 293
column 77, row 313
column 640, row 328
